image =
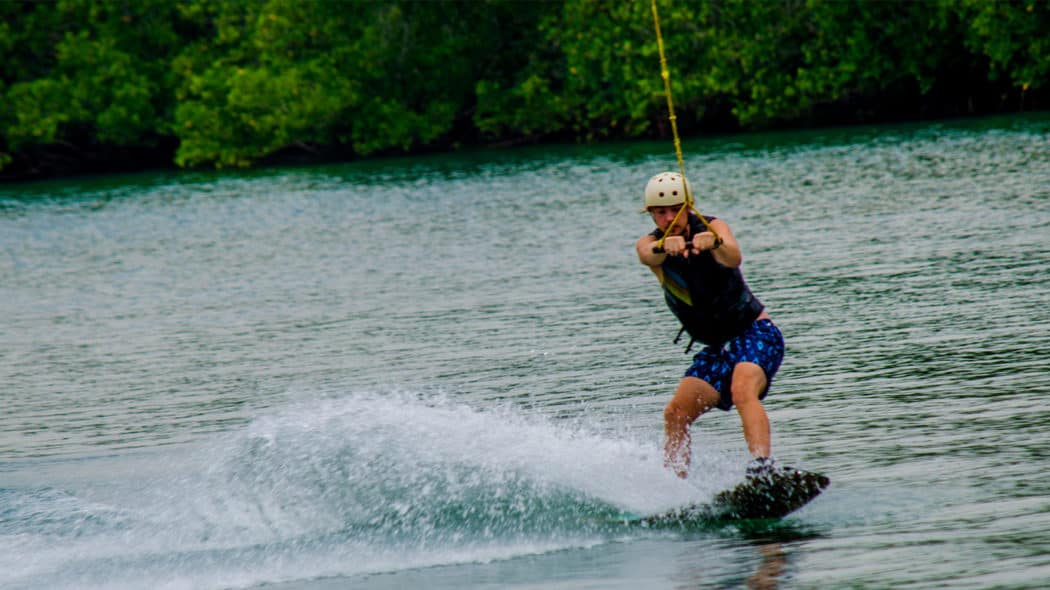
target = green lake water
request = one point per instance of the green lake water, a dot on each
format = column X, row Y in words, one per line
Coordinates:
column 449, row 371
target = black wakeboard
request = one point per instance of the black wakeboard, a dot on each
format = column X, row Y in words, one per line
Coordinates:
column 773, row 495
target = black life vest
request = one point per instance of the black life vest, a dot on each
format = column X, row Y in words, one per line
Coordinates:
column 712, row 301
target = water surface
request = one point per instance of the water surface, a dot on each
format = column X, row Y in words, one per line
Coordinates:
column 449, row 371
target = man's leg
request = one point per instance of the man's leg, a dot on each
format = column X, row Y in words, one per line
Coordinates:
column 749, row 381
column 692, row 398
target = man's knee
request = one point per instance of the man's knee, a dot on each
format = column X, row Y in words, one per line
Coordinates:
column 674, row 413
column 744, row 396
column 749, row 381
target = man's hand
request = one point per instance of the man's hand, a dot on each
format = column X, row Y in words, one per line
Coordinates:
column 706, row 241
column 676, row 246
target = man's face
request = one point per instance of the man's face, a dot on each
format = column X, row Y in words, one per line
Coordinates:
column 663, row 216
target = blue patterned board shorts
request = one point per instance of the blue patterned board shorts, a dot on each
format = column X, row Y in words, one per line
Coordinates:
column 762, row 344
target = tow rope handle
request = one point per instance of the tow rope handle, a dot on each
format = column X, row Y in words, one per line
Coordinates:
column 659, row 249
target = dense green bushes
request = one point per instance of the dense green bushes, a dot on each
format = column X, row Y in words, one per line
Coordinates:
column 229, row 83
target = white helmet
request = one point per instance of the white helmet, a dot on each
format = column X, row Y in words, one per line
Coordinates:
column 665, row 189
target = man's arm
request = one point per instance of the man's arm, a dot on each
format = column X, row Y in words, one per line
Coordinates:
column 728, row 252
column 645, row 252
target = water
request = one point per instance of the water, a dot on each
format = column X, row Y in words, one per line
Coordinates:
column 449, row 372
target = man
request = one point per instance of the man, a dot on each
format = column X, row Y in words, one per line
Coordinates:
column 697, row 261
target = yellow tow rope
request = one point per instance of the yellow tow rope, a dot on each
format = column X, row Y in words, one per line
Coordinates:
column 666, row 75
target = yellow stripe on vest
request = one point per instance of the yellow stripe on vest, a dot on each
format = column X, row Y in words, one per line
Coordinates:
column 680, row 292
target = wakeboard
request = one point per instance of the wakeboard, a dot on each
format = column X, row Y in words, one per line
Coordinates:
column 773, row 495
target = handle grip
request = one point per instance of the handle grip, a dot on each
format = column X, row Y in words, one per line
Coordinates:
column 688, row 246
column 660, row 250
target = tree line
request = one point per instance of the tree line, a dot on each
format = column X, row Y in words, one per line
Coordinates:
column 117, row 84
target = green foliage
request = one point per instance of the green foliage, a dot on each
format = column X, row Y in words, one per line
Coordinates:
column 374, row 76
column 419, row 58
column 105, row 72
column 825, row 51
column 235, row 81
column 255, row 81
column 1015, row 36
column 608, row 82
column 519, row 90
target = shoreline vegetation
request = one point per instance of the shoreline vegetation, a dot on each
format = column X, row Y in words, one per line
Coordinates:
column 98, row 86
